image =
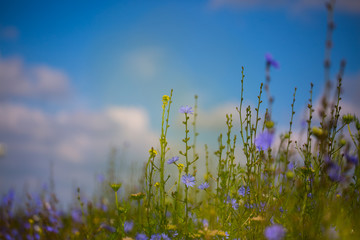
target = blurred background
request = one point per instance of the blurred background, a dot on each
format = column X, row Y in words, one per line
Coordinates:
column 80, row 78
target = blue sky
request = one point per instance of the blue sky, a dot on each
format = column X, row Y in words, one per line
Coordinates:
column 81, row 76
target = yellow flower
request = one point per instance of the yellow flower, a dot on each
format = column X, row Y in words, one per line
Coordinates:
column 157, row 184
column 165, row 100
column 152, row 152
column 181, row 166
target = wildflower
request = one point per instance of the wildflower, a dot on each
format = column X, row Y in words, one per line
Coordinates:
column 264, row 140
column 159, row 237
column 51, row 229
column 141, row 236
column 318, row 132
column 269, row 124
column 188, row 180
column 172, row 160
column 291, row 166
column 333, row 170
column 76, row 215
column 9, row 197
column 352, row 159
column 204, row 186
column 348, row 118
column 242, row 191
column 152, row 152
column 115, row 186
column 274, row 232
column 157, row 184
column 234, row 204
column 165, row 100
column 205, row 223
column 137, row 196
column 128, row 226
column 270, row 61
column 181, row 167
column 186, row 110
column 107, row 227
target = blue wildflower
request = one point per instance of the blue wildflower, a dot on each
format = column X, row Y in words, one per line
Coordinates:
column 352, row 159
column 234, row 204
column 141, row 236
column 204, row 186
column 107, row 227
column 333, row 170
column 172, row 160
column 291, row 166
column 188, row 180
column 76, row 215
column 186, row 110
column 205, row 223
column 242, row 191
column 270, row 61
column 274, row 232
column 159, row 237
column 128, row 226
column 264, row 140
column 9, row 197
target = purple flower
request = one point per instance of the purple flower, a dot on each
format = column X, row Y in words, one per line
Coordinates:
column 242, row 191
column 205, row 223
column 334, row 172
column 172, row 160
column 264, row 140
column 204, row 186
column 186, row 110
column 107, row 227
column 9, row 197
column 352, row 159
column 234, row 204
column 141, row 236
column 128, row 226
column 76, row 215
column 188, row 180
column 159, row 237
column 51, row 229
column 270, row 61
column 274, row 232
column 291, row 166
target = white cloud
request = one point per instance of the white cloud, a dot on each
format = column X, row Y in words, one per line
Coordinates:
column 39, row 81
column 71, row 136
column 78, row 142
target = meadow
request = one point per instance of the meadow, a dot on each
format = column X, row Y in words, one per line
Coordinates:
column 284, row 188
